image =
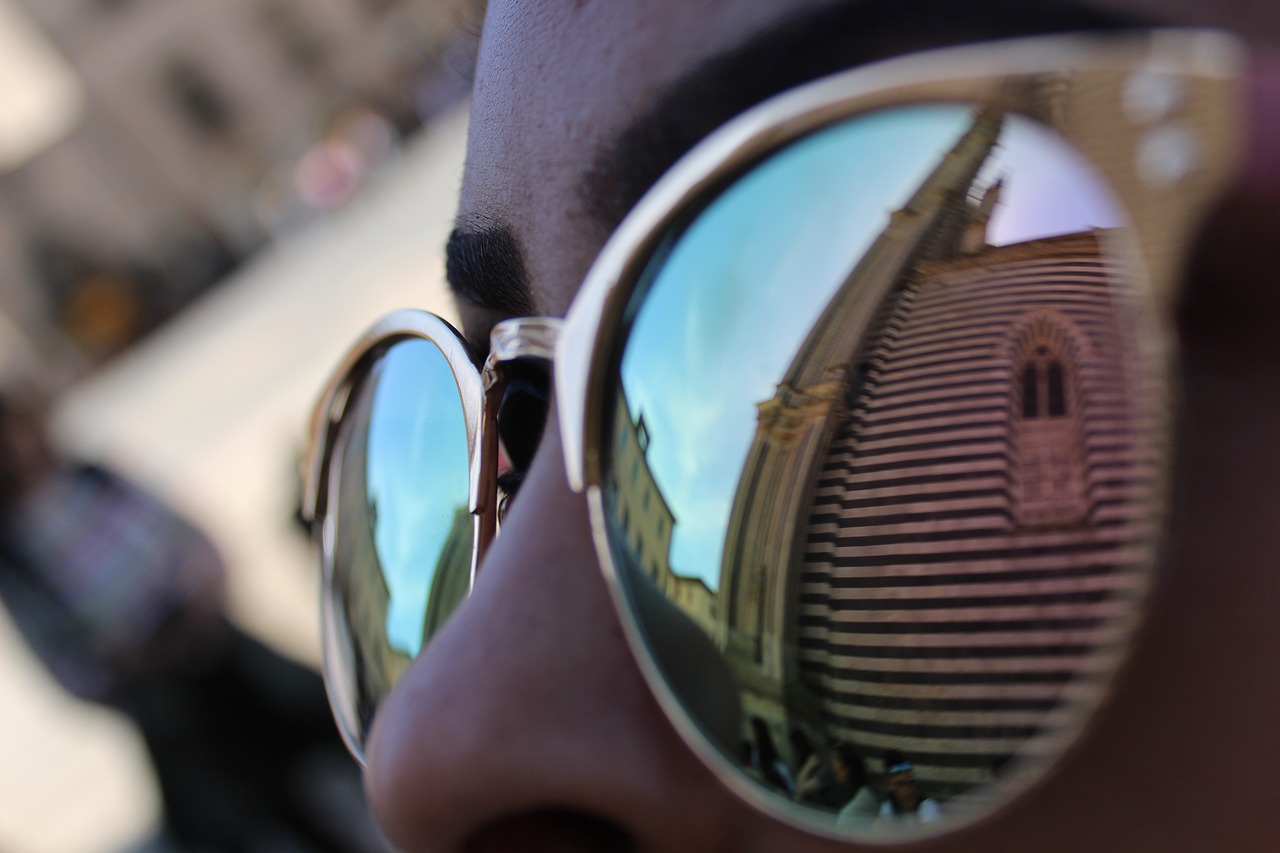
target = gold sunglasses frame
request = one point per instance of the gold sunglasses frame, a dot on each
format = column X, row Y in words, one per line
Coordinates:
column 480, row 392
column 1136, row 99
column 1141, row 95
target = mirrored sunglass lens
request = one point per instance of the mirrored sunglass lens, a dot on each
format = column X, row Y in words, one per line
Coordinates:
column 402, row 532
column 880, row 479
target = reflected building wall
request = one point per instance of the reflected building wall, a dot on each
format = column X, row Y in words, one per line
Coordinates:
column 451, row 580
column 767, row 522
column 951, row 470
column 971, row 546
column 645, row 520
column 366, row 595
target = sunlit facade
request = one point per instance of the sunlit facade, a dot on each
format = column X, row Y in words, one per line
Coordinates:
column 645, row 521
column 451, row 580
column 366, row 598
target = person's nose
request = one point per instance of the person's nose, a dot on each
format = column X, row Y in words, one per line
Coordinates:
column 526, row 725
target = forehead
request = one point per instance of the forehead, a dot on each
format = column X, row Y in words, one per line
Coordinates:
column 557, row 81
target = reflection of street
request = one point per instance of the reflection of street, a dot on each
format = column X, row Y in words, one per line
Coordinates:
column 210, row 414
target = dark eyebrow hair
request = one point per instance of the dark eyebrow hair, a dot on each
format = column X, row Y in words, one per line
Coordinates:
column 484, row 265
column 806, row 47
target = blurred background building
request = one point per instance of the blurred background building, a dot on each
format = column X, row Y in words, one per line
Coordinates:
column 168, row 141
column 201, row 206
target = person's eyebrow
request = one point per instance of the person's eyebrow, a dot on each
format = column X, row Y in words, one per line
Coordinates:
column 484, row 265
column 803, row 48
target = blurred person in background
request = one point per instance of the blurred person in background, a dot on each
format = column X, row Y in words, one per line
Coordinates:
column 904, row 800
column 124, row 603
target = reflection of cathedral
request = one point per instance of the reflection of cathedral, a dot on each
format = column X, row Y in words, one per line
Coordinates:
column 949, row 468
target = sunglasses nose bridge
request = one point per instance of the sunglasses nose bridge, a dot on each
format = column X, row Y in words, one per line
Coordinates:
column 524, row 337
column 516, row 339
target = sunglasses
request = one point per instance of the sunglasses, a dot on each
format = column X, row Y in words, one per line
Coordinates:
column 871, row 402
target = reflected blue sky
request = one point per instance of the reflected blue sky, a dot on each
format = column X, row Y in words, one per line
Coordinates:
column 417, row 475
column 1049, row 188
column 742, row 287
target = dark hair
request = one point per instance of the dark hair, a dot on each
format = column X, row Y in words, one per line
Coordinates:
column 853, row 763
column 801, row 746
column 767, row 755
column 894, row 757
column 764, row 740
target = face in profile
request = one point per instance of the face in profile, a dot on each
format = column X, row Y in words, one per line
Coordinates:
column 890, row 454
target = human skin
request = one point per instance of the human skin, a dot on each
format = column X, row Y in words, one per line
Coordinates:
column 904, row 788
column 527, row 726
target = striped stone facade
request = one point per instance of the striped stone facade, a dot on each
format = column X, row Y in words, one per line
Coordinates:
column 359, row 638
column 980, row 517
column 945, row 514
column 957, row 472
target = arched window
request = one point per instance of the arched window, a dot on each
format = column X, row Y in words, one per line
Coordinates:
column 1030, row 391
column 1057, row 391
column 1050, row 472
column 1044, row 386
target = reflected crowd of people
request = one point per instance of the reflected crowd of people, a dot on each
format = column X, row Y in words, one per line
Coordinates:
column 835, row 778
